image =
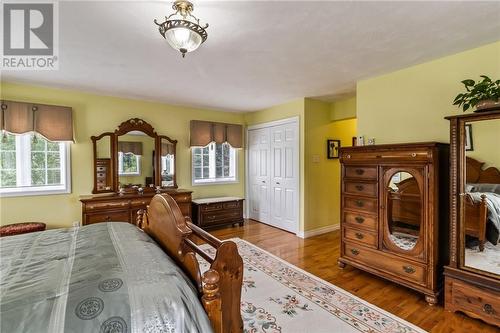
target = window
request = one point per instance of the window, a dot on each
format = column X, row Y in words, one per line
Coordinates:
column 31, row 165
column 129, row 164
column 214, row 163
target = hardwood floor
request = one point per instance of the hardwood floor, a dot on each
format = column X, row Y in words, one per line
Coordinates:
column 318, row 255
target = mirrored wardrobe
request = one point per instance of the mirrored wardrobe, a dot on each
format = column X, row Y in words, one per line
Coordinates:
column 473, row 276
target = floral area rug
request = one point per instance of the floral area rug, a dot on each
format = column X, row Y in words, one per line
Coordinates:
column 279, row 297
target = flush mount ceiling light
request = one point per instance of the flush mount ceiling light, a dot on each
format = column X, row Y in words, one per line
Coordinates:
column 181, row 29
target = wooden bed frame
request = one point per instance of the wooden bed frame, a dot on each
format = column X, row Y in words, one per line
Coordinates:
column 219, row 288
column 476, row 213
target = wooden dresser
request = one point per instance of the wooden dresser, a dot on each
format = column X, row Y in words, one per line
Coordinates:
column 211, row 212
column 123, row 208
column 394, row 206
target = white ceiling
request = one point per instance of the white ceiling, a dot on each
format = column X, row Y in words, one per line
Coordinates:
column 258, row 54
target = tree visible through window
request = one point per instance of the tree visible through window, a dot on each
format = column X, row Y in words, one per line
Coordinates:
column 30, row 163
column 129, row 164
column 214, row 163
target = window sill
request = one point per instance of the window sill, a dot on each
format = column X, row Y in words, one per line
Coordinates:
column 30, row 192
column 214, row 182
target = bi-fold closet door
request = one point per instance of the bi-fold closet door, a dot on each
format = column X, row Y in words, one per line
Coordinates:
column 273, row 175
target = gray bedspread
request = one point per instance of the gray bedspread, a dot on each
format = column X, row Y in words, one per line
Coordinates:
column 107, row 277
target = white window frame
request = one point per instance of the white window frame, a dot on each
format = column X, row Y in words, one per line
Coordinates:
column 212, row 169
column 24, row 163
column 120, row 165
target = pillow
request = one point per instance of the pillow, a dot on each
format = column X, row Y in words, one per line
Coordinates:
column 469, row 188
column 492, row 188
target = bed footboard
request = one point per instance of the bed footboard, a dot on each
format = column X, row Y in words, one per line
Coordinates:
column 475, row 219
column 220, row 286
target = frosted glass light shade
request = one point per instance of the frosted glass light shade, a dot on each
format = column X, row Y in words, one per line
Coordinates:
column 183, row 39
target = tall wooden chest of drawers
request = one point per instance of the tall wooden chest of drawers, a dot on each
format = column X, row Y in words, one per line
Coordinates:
column 394, row 213
column 211, row 212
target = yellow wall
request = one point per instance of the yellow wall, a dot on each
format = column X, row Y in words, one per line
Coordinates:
column 94, row 114
column 409, row 105
column 287, row 110
column 343, row 109
column 322, row 176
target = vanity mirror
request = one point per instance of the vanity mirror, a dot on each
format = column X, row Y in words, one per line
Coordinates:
column 126, row 160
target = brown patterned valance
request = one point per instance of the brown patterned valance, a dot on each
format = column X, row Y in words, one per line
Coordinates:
column 205, row 132
column 167, row 149
column 55, row 123
column 130, row 147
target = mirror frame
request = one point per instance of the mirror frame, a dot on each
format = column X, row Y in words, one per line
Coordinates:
column 94, row 147
column 133, row 124
column 418, row 250
column 458, row 191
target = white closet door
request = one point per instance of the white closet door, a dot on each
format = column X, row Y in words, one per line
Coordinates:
column 284, row 177
column 259, row 177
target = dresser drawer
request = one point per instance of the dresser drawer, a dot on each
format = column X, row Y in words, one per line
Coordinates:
column 479, row 303
column 360, row 172
column 211, row 207
column 181, row 197
column 231, row 204
column 122, row 216
column 221, row 217
column 140, row 202
column 408, row 154
column 94, row 206
column 362, row 236
column 390, row 264
column 361, row 204
column 361, row 220
column 358, row 188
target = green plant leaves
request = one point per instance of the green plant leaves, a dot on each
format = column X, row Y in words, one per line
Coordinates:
column 487, row 89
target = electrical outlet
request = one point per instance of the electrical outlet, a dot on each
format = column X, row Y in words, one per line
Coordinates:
column 316, row 158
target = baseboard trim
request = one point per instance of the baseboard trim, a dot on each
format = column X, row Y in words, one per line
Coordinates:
column 318, row 231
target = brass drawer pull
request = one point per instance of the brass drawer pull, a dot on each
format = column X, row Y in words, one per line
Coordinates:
column 359, row 203
column 488, row 309
column 360, row 187
column 360, row 171
column 359, row 235
column 409, row 269
column 359, row 219
column 355, row 252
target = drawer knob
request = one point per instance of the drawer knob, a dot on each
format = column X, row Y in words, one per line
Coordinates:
column 413, row 154
column 360, row 171
column 359, row 187
column 488, row 309
column 359, row 219
column 348, row 156
column 409, row 269
column 359, row 203
column 359, row 235
column 355, row 252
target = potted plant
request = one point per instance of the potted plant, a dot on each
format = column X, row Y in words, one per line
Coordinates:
column 484, row 95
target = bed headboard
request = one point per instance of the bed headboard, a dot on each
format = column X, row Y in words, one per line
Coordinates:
column 476, row 174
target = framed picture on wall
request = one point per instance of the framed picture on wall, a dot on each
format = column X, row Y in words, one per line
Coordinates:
column 469, row 145
column 332, row 149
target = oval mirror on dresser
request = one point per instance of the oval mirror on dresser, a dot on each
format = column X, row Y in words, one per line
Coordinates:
column 403, row 211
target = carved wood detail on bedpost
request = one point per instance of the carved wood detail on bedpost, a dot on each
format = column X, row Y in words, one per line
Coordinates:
column 211, row 299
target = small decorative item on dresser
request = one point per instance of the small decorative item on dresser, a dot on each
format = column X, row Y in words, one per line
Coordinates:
column 211, row 212
column 484, row 95
column 332, row 149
